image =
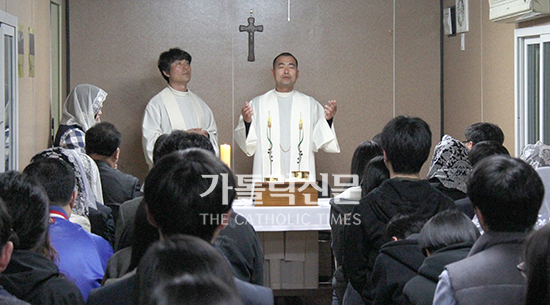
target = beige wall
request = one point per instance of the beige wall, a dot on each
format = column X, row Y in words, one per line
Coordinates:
column 34, row 92
column 345, row 50
column 479, row 81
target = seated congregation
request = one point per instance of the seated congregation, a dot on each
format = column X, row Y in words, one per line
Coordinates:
column 76, row 230
column 455, row 237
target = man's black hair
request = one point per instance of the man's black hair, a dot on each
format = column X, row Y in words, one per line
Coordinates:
column 175, row 256
column 447, row 228
column 402, row 226
column 56, row 177
column 179, row 140
column 483, row 132
column 168, row 57
column 189, row 192
column 406, row 142
column 508, row 193
column 102, row 139
column 285, row 54
column 485, row 149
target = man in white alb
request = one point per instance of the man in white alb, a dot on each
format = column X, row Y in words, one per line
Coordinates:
column 283, row 127
column 175, row 107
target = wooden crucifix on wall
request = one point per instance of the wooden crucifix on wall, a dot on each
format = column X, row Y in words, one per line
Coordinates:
column 251, row 28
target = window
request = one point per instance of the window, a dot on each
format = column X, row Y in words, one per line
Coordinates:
column 8, row 77
column 532, row 86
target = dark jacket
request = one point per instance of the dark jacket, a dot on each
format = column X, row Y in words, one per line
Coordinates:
column 397, row 263
column 123, row 292
column 340, row 217
column 117, row 186
column 369, row 218
column 489, row 274
column 455, row 194
column 420, row 289
column 124, row 236
column 31, row 277
column 465, row 206
column 239, row 243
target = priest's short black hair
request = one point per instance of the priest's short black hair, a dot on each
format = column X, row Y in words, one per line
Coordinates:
column 168, row 57
column 285, row 54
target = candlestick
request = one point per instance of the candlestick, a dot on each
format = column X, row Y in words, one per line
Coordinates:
column 225, row 154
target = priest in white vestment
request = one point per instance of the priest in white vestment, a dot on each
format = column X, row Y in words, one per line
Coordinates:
column 283, row 128
column 175, row 107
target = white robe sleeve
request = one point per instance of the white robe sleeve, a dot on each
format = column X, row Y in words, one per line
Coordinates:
column 151, row 129
column 246, row 143
column 211, row 128
column 323, row 135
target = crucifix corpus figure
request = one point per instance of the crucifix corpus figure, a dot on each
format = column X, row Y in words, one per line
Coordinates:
column 251, row 28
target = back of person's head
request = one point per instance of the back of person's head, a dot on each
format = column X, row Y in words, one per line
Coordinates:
column 189, row 192
column 362, row 155
column 507, row 192
column 483, row 132
column 446, row 228
column 402, row 226
column 179, row 140
column 27, row 204
column 84, row 174
column 56, row 177
column 194, row 290
column 406, row 142
column 537, row 155
column 144, row 234
column 376, row 138
column 485, row 149
column 178, row 255
column 168, row 57
column 536, row 266
column 102, row 139
column 375, row 173
column 450, row 165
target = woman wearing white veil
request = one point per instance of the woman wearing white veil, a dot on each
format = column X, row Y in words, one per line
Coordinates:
column 538, row 156
column 81, row 110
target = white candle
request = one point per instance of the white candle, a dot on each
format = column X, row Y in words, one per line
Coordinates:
column 225, row 154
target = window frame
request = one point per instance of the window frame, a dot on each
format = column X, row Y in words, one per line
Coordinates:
column 8, row 23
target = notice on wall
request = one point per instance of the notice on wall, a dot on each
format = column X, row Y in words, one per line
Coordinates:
column 20, row 52
column 31, row 53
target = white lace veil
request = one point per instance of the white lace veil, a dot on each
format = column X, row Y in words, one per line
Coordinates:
column 82, row 105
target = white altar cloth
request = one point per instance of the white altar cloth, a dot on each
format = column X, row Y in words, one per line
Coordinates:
column 281, row 219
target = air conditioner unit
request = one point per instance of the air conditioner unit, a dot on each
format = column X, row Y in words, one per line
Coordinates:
column 517, row 10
